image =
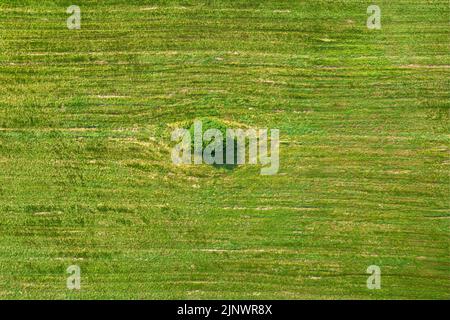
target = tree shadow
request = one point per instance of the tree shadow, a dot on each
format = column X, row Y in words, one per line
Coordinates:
column 225, row 165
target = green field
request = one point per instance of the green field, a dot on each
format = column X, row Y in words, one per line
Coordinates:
column 86, row 175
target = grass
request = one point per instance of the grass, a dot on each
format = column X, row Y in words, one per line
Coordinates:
column 86, row 176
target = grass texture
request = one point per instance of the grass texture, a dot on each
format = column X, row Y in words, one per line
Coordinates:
column 86, row 175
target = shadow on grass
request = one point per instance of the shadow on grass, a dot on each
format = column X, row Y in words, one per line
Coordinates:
column 226, row 165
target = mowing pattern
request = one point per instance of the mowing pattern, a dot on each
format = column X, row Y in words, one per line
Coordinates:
column 86, row 176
